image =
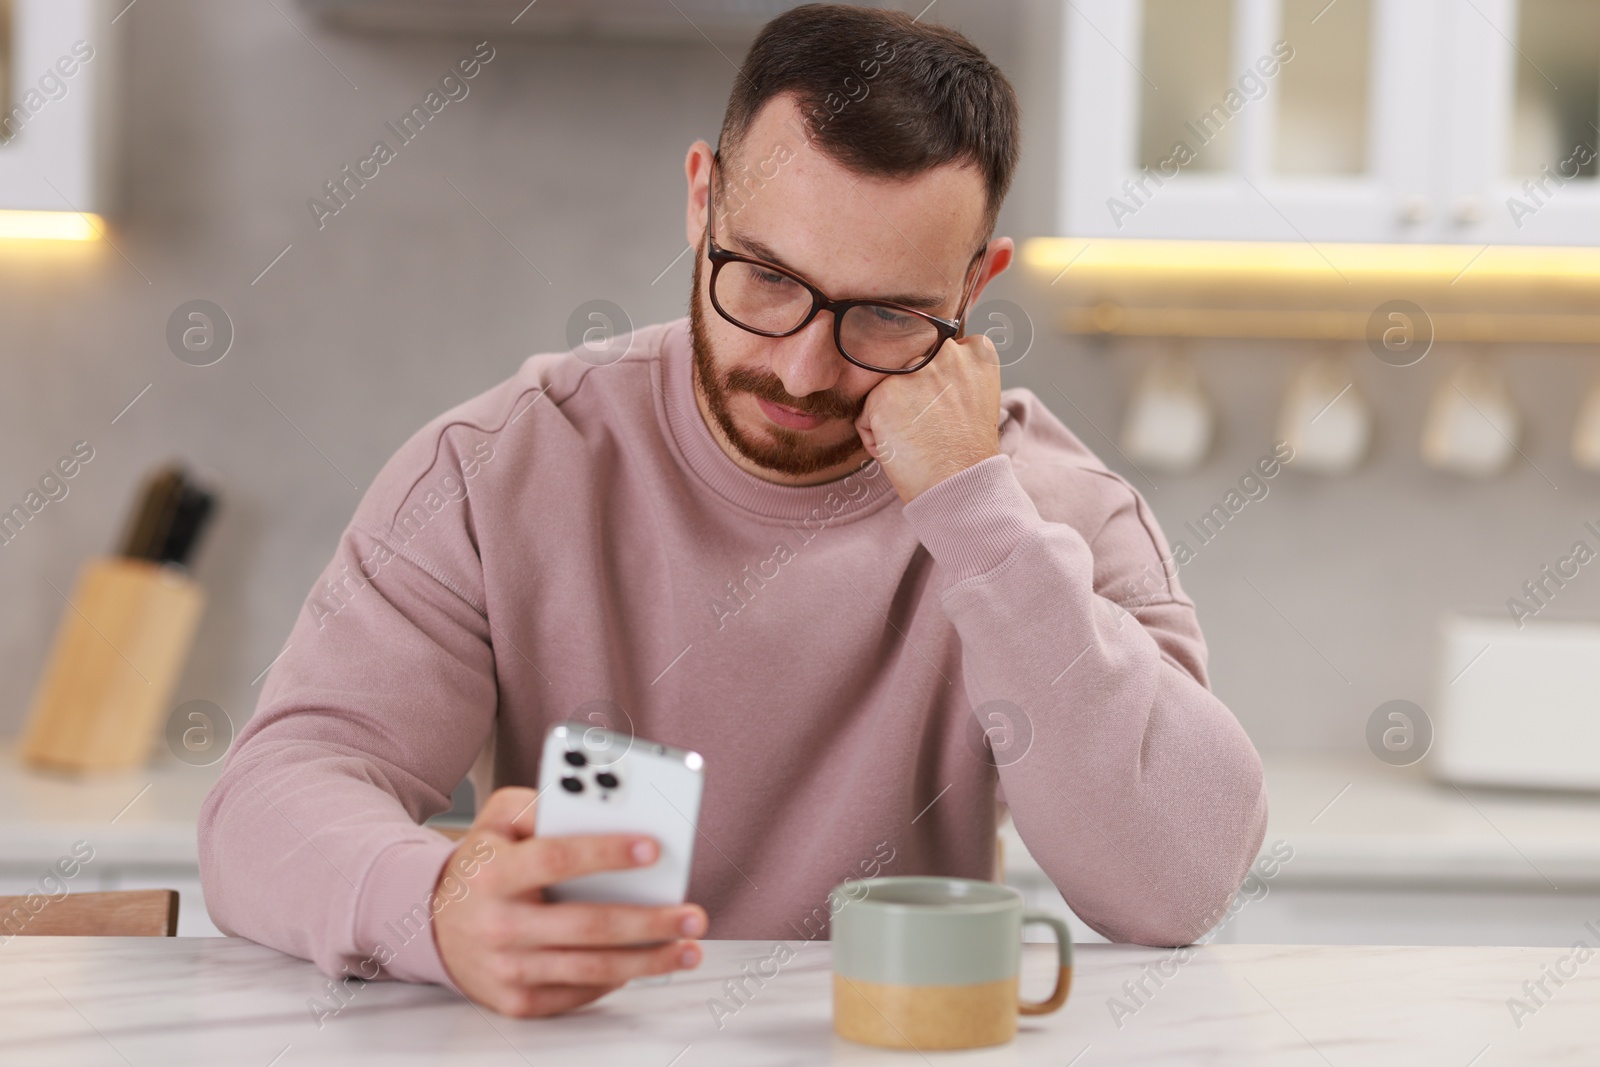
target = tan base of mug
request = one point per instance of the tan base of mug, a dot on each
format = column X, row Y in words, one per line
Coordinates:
column 925, row 1017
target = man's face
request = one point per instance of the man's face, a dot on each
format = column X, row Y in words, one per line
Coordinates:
column 786, row 407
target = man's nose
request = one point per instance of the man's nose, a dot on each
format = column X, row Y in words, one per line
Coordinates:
column 808, row 362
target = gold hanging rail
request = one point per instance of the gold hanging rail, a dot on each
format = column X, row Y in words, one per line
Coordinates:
column 1298, row 290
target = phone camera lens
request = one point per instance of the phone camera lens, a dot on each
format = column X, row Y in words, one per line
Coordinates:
column 577, row 759
column 606, row 780
column 572, row 785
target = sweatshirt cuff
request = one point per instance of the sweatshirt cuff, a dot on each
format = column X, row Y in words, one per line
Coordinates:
column 972, row 521
column 394, row 922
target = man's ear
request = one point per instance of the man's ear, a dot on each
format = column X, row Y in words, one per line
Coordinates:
column 697, row 171
column 1001, row 252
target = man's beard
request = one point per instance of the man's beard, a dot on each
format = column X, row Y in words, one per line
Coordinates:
column 783, row 450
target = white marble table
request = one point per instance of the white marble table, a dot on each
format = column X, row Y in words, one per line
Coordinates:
column 1381, row 855
column 213, row 1001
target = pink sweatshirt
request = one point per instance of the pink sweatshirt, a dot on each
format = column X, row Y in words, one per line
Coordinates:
column 575, row 540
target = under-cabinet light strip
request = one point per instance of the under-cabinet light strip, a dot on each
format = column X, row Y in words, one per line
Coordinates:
column 49, row 226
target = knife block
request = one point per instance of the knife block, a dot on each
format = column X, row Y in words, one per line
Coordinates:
column 108, row 683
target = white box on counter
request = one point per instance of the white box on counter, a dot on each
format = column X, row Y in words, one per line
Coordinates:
column 1518, row 703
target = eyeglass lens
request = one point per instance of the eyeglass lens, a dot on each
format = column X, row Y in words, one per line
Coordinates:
column 770, row 301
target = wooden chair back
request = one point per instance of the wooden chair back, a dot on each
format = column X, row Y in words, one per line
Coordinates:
column 125, row 913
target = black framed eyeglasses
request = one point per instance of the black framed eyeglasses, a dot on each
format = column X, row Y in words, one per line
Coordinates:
column 772, row 301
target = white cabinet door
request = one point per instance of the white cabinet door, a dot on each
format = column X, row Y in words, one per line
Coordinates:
column 1351, row 120
column 56, row 121
column 1248, row 119
column 1525, row 100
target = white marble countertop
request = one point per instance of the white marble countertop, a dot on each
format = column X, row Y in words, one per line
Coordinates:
column 216, row 1001
column 1354, row 821
column 1350, row 819
column 144, row 815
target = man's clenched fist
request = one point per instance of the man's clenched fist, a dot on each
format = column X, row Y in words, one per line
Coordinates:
column 925, row 427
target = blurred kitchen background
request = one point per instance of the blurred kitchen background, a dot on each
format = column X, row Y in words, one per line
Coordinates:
column 1377, row 212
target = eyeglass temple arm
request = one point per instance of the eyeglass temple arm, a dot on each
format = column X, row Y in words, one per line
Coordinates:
column 966, row 294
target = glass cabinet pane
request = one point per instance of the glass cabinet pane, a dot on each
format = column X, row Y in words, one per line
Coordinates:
column 1186, row 57
column 1322, row 106
column 1558, row 88
column 5, row 66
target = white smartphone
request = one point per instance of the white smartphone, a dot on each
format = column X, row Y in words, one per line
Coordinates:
column 598, row 781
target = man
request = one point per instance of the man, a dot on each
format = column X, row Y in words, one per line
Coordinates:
column 803, row 533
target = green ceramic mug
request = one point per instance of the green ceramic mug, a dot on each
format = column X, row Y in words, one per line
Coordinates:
column 933, row 963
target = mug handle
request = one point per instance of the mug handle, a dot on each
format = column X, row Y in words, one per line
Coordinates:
column 1058, row 996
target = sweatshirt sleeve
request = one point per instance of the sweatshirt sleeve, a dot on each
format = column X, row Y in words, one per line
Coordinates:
column 310, row 841
column 1138, row 792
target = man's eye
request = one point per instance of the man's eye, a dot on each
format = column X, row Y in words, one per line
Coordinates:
column 768, row 278
column 888, row 318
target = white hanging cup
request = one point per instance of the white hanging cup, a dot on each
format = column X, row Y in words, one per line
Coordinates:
column 1325, row 417
column 1169, row 422
column 1472, row 424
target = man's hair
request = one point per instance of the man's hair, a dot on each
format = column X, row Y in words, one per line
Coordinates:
column 883, row 95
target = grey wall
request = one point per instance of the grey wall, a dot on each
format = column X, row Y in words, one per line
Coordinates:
column 409, row 301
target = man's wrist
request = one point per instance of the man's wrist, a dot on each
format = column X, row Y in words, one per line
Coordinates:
column 958, row 463
column 395, row 907
column 973, row 520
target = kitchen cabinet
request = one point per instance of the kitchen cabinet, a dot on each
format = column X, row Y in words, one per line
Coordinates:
column 58, row 124
column 1385, row 121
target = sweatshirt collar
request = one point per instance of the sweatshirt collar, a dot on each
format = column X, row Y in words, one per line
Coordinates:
column 852, row 496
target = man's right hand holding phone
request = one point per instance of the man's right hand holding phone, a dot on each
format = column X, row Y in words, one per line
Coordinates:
column 509, row 950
